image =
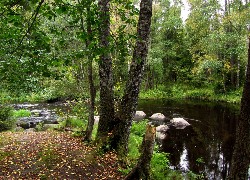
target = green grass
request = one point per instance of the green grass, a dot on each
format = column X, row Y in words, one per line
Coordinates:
column 21, row 113
column 180, row 91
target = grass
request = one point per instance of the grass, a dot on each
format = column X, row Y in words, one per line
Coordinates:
column 180, row 91
column 21, row 113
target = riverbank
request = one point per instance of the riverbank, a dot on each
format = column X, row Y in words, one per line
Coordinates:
column 179, row 92
column 171, row 92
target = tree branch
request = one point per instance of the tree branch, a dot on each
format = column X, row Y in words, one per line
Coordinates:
column 34, row 16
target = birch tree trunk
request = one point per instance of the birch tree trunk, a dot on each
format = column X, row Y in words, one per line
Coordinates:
column 130, row 98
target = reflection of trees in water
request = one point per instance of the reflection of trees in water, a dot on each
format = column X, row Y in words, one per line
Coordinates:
column 208, row 143
column 173, row 145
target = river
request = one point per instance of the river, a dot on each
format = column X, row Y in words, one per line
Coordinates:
column 205, row 147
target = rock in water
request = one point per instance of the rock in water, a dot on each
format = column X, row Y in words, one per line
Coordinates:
column 179, row 123
column 160, row 135
column 96, row 119
column 139, row 115
column 158, row 117
column 162, row 128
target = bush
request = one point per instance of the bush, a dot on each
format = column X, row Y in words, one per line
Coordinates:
column 6, row 119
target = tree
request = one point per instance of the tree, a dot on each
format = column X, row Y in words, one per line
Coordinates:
column 169, row 59
column 241, row 155
column 117, row 127
column 89, row 42
column 107, row 112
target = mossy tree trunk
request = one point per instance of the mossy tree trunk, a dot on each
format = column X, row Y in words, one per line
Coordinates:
column 241, row 155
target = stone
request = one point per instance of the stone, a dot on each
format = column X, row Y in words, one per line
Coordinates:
column 160, row 135
column 179, row 123
column 30, row 130
column 158, row 117
column 162, row 128
column 50, row 126
column 45, row 113
column 139, row 115
column 23, row 124
column 96, row 119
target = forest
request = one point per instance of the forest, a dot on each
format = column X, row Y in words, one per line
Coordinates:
column 107, row 58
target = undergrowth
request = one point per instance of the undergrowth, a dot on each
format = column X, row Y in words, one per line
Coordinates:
column 181, row 91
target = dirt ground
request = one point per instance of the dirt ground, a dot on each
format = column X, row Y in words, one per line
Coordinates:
column 53, row 155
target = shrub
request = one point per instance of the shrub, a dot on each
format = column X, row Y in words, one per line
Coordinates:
column 6, row 119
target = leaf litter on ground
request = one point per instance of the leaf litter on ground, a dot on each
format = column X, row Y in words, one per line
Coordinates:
column 53, row 155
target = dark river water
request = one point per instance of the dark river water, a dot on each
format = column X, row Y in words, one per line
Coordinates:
column 206, row 146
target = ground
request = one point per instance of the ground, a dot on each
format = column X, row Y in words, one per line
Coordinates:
column 53, row 155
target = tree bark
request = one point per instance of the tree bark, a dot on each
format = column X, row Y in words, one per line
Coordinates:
column 142, row 169
column 92, row 90
column 105, row 72
column 131, row 93
column 241, row 155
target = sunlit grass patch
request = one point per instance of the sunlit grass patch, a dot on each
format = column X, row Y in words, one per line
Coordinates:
column 21, row 113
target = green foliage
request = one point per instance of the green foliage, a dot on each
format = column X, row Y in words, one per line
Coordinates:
column 75, row 119
column 159, row 165
column 138, row 128
column 158, row 93
column 6, row 118
column 181, row 91
column 159, row 161
column 21, row 113
column 192, row 176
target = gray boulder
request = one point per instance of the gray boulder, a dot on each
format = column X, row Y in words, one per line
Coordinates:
column 162, row 128
column 158, row 117
column 179, row 123
column 139, row 115
column 50, row 126
column 160, row 135
column 96, row 119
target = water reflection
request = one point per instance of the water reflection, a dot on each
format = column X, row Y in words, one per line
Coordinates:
column 205, row 147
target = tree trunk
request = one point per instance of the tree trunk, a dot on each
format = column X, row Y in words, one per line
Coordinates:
column 241, row 155
column 142, row 169
column 238, row 75
column 92, row 90
column 105, row 72
column 130, row 97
